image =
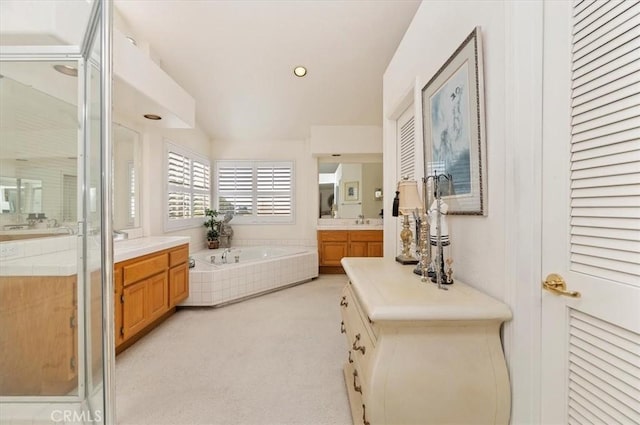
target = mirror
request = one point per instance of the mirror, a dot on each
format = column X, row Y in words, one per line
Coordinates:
column 126, row 181
column 19, row 195
column 38, row 153
column 350, row 188
column 39, row 150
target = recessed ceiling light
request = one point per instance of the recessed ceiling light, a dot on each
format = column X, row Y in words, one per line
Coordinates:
column 300, row 71
column 153, row 117
column 69, row 70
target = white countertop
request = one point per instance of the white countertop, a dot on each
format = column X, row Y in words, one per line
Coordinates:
column 394, row 293
column 349, row 224
column 131, row 248
column 65, row 262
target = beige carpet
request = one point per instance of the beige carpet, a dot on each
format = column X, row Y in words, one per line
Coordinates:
column 275, row 359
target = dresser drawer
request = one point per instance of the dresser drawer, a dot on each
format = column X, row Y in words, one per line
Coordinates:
column 145, row 268
column 359, row 339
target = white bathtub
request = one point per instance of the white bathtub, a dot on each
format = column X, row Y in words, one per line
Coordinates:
column 259, row 269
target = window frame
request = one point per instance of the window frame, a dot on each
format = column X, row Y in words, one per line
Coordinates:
column 254, row 164
column 192, row 222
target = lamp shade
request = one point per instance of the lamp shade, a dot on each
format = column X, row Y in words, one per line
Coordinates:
column 409, row 197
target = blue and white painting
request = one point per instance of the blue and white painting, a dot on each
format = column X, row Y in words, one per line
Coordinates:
column 450, row 137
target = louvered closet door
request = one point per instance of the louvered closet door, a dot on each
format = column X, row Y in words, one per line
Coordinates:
column 591, row 212
column 406, row 144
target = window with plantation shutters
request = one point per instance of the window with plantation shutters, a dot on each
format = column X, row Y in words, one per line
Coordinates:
column 255, row 191
column 188, row 179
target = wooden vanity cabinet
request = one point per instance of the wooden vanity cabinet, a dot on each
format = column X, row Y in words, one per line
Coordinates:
column 333, row 245
column 38, row 335
column 365, row 243
column 149, row 287
column 178, row 275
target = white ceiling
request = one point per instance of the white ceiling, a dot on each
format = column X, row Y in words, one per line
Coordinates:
column 237, row 58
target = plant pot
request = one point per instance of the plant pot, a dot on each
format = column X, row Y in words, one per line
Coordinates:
column 213, row 244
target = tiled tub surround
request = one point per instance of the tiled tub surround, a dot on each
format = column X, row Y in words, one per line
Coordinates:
column 214, row 284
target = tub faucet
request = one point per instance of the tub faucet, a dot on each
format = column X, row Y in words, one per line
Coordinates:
column 224, row 255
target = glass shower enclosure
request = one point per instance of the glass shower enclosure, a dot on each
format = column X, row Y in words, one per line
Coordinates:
column 56, row 302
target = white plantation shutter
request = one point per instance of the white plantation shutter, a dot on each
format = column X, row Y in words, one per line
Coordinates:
column 256, row 191
column 132, row 193
column 235, row 189
column 605, row 136
column 273, row 190
column 407, row 148
column 188, row 179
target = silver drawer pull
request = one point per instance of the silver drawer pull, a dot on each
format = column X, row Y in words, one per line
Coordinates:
column 350, row 359
column 356, row 387
column 343, row 302
column 357, row 347
column 342, row 328
column 364, row 415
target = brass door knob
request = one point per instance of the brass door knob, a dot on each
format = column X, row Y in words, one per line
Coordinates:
column 555, row 283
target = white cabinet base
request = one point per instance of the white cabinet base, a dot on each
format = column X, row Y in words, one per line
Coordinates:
column 421, row 355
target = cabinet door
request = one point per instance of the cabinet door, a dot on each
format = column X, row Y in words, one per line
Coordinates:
column 358, row 249
column 178, row 284
column 158, row 288
column 135, row 308
column 374, row 249
column 332, row 252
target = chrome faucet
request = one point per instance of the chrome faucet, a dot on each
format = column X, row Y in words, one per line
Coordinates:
column 224, row 255
column 360, row 219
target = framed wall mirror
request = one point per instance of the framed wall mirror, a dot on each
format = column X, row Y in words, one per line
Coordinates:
column 350, row 187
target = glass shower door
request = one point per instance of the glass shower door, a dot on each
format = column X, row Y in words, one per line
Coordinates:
column 55, row 252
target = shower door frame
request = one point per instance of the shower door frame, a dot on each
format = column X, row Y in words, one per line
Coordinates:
column 99, row 25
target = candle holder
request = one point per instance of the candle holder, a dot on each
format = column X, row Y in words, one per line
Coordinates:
column 439, row 231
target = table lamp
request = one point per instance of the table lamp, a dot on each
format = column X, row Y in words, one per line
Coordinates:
column 409, row 201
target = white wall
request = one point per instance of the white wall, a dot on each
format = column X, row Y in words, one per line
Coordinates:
column 303, row 230
column 478, row 242
column 496, row 253
column 152, row 174
column 345, row 139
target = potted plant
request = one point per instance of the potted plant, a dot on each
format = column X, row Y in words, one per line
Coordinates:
column 213, row 226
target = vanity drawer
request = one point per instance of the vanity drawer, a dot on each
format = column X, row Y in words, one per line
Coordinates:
column 179, row 256
column 333, row 235
column 145, row 268
column 365, row 236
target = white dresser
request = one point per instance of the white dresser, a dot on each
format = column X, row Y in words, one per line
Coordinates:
column 420, row 355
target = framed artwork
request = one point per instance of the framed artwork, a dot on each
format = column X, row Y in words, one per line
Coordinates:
column 351, row 191
column 453, row 126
